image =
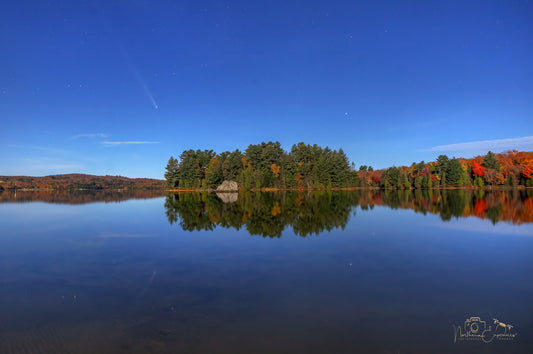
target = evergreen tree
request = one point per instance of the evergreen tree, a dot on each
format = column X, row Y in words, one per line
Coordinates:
column 418, row 181
column 393, row 176
column 490, row 161
column 442, row 169
column 213, row 175
column 454, row 177
column 231, row 165
column 171, row 172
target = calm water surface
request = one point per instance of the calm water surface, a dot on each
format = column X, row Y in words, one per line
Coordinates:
column 371, row 272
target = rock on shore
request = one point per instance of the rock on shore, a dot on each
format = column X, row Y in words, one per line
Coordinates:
column 228, row 186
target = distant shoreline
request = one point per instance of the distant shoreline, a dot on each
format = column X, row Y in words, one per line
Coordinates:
column 78, row 181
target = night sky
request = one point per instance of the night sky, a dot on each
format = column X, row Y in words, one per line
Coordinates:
column 117, row 87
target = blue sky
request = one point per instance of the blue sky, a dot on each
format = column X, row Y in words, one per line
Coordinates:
column 118, row 87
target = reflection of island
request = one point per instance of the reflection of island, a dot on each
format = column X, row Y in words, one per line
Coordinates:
column 77, row 197
column 268, row 214
column 265, row 214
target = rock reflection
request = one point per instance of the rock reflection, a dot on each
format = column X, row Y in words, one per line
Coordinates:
column 268, row 214
column 228, row 197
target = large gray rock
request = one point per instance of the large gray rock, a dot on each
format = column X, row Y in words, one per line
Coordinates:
column 228, row 186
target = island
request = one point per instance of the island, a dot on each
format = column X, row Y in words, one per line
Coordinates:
column 266, row 166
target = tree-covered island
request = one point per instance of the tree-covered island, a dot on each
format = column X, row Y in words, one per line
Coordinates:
column 268, row 166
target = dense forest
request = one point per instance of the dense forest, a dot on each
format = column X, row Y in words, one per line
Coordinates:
column 264, row 165
column 267, row 165
column 313, row 212
column 76, row 181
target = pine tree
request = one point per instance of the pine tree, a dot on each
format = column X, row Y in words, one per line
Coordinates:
column 490, row 161
column 454, row 176
column 171, row 172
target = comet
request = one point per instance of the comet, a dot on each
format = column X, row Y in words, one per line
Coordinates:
column 143, row 84
column 129, row 62
column 149, row 94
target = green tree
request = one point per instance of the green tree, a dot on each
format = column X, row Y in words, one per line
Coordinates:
column 490, row 161
column 418, row 182
column 231, row 165
column 442, row 169
column 403, row 180
column 427, row 182
column 392, row 176
column 213, row 175
column 171, row 172
column 454, row 177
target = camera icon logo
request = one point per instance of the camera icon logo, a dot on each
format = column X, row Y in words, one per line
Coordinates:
column 475, row 329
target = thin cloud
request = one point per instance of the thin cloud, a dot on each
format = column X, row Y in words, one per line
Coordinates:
column 117, row 143
column 496, row 145
column 40, row 148
column 42, row 166
column 88, row 135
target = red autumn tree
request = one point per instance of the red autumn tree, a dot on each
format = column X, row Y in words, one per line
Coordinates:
column 477, row 169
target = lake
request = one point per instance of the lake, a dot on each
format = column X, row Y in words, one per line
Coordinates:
column 309, row 272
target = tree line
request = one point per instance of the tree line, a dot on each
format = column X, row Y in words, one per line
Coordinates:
column 305, row 166
column 511, row 168
column 77, row 181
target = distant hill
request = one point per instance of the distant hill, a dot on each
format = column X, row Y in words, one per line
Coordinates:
column 76, row 181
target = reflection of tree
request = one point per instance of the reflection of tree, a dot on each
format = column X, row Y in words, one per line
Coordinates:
column 324, row 212
column 191, row 211
column 77, row 197
column 268, row 214
column 515, row 206
column 264, row 214
column 452, row 204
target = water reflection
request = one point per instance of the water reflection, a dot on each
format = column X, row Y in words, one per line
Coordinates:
column 268, row 214
column 265, row 214
column 115, row 278
column 77, row 197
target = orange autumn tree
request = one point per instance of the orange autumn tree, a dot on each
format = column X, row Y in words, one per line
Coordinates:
column 275, row 169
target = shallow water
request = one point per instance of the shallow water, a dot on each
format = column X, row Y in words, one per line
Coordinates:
column 311, row 272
